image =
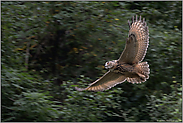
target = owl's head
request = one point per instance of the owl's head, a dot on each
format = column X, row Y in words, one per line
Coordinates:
column 110, row 64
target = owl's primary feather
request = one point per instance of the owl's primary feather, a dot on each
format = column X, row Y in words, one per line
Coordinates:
column 107, row 81
column 129, row 66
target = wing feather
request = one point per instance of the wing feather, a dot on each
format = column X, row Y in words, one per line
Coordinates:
column 136, row 43
column 108, row 80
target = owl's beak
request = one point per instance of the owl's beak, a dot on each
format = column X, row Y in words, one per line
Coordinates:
column 106, row 67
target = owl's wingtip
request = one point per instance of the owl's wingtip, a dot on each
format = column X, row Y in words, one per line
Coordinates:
column 79, row 89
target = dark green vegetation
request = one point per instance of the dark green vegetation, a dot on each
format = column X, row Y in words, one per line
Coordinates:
column 48, row 48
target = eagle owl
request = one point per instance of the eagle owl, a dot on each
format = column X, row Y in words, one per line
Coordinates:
column 129, row 66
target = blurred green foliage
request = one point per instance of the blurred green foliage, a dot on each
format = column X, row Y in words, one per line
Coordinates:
column 48, row 48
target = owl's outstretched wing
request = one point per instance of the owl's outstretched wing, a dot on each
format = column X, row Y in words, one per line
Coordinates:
column 108, row 80
column 137, row 42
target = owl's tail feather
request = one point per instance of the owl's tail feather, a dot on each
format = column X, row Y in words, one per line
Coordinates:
column 143, row 68
column 143, row 72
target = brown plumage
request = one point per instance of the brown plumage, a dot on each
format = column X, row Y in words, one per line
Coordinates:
column 129, row 66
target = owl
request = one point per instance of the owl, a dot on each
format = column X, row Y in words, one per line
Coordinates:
column 129, row 66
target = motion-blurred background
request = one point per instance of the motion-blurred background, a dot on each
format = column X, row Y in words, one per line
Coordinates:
column 48, row 48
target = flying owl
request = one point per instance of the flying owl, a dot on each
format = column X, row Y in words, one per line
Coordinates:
column 129, row 66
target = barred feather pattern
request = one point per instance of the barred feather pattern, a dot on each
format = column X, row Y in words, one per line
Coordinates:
column 139, row 29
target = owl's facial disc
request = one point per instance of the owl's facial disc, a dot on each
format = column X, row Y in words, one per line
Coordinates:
column 109, row 64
